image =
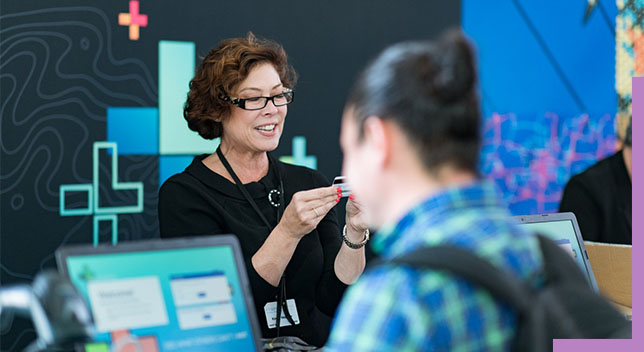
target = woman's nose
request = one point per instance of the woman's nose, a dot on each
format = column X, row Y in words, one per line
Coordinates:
column 270, row 108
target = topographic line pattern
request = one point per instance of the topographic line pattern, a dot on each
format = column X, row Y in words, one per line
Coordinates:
column 58, row 74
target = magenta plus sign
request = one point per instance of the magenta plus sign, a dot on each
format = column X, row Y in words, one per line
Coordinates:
column 135, row 17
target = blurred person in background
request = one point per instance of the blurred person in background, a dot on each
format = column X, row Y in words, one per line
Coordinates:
column 602, row 196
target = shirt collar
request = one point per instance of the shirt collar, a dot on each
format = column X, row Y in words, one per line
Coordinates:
column 257, row 190
column 434, row 211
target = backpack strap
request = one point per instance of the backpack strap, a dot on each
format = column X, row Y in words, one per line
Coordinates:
column 471, row 267
column 501, row 284
column 560, row 309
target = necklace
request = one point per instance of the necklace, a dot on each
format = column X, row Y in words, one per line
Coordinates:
column 274, row 195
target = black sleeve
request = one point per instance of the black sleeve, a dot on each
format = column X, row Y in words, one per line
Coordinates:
column 577, row 198
column 329, row 289
column 183, row 214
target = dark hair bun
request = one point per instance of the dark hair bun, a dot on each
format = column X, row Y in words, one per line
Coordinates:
column 455, row 75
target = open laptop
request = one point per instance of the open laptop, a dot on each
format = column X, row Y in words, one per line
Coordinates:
column 177, row 295
column 564, row 230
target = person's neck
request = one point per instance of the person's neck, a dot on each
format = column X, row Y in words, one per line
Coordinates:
column 627, row 152
column 410, row 189
column 249, row 166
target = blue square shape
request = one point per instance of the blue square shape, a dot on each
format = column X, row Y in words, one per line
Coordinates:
column 172, row 164
column 134, row 129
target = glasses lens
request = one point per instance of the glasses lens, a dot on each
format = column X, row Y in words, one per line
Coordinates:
column 255, row 103
column 283, row 99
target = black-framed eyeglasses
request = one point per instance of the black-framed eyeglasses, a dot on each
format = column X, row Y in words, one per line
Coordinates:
column 258, row 103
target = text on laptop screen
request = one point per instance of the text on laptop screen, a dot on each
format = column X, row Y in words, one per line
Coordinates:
column 563, row 233
column 187, row 299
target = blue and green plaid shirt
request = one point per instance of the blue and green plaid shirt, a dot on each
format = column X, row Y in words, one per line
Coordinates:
column 405, row 309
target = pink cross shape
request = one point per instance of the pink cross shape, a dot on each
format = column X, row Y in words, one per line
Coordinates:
column 133, row 19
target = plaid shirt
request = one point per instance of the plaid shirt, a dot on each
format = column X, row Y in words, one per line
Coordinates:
column 405, row 309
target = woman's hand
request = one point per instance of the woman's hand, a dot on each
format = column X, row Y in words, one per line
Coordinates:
column 356, row 226
column 306, row 210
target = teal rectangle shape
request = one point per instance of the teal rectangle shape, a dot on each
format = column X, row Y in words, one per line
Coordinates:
column 87, row 188
column 176, row 69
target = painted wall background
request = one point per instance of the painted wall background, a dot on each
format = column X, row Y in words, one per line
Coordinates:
column 91, row 96
column 549, row 89
column 91, row 119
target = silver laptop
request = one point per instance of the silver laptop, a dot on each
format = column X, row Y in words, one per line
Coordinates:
column 564, row 230
column 177, row 295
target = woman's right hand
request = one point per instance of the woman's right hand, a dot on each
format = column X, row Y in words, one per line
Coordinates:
column 306, row 210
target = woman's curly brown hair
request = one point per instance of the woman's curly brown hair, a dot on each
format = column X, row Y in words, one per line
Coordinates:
column 221, row 71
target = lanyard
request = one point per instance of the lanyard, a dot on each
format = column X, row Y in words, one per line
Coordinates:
column 280, row 210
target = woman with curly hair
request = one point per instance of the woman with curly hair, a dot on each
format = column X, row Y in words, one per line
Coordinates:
column 298, row 260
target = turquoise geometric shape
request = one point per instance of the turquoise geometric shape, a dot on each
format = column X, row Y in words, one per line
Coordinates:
column 134, row 129
column 106, row 217
column 117, row 186
column 172, row 164
column 93, row 205
column 88, row 210
column 299, row 156
column 176, row 69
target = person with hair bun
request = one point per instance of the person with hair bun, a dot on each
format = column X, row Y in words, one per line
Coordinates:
column 411, row 130
column 298, row 260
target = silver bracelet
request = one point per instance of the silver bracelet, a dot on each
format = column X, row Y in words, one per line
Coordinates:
column 354, row 245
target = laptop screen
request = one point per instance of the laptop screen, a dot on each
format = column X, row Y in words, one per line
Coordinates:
column 562, row 229
column 173, row 299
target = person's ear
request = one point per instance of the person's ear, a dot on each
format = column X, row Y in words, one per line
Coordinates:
column 377, row 137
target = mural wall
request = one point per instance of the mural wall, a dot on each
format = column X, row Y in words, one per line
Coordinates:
column 92, row 95
column 552, row 76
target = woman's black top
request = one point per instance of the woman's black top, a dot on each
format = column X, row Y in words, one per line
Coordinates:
column 601, row 199
column 199, row 201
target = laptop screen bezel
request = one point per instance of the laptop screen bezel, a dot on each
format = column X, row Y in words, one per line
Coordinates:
column 540, row 218
column 171, row 244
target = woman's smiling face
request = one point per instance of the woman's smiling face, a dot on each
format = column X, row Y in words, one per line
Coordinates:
column 256, row 130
